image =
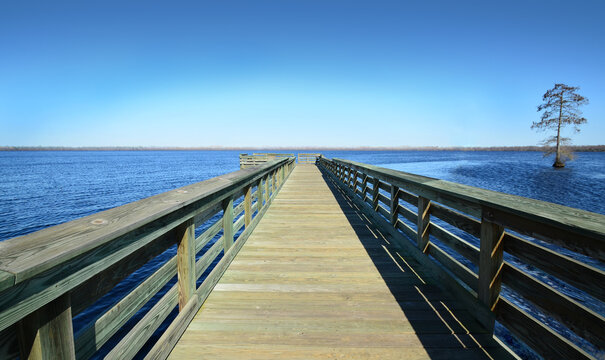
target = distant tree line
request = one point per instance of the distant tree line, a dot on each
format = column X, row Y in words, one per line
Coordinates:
column 580, row 148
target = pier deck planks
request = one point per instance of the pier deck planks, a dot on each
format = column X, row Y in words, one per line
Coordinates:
column 316, row 280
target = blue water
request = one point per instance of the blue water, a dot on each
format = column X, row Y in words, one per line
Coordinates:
column 46, row 188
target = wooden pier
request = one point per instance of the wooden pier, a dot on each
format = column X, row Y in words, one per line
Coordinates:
column 317, row 280
column 327, row 259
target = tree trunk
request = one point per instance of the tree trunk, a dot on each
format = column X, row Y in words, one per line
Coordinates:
column 558, row 163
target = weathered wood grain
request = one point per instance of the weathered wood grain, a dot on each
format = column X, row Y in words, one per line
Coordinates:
column 132, row 342
column 579, row 230
column 583, row 321
column 544, row 340
column 90, row 338
column 423, row 221
column 185, row 261
column 166, row 342
column 453, row 265
column 491, row 253
column 47, row 333
column 316, row 273
column 464, row 248
column 572, row 271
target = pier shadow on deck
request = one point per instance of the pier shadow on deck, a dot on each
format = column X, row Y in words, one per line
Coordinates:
column 444, row 326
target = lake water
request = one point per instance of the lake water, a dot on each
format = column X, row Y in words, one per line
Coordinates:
column 46, row 188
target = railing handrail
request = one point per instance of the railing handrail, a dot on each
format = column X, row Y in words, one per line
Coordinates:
column 87, row 257
column 576, row 221
column 105, row 226
column 482, row 239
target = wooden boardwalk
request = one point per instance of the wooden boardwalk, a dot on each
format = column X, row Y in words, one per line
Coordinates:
column 317, row 280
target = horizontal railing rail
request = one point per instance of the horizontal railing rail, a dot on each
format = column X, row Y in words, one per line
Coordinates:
column 496, row 237
column 255, row 159
column 308, row 158
column 50, row 276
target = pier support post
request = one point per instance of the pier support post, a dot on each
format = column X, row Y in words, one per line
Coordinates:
column 228, row 223
column 394, row 204
column 259, row 195
column 47, row 333
column 267, row 189
column 247, row 205
column 375, row 192
column 490, row 260
column 424, row 219
column 185, row 260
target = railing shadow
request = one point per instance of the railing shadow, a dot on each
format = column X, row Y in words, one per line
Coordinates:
column 444, row 327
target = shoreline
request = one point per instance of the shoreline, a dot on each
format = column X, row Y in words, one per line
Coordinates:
column 578, row 148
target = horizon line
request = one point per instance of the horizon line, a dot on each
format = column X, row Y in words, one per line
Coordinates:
column 306, row 148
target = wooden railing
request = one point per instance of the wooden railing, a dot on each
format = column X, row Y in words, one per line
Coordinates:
column 495, row 236
column 50, row 276
column 308, row 158
column 247, row 160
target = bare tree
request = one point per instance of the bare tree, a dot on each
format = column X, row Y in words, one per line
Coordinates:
column 561, row 107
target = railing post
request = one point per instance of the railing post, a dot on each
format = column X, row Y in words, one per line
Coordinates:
column 267, row 189
column 490, row 260
column 259, row 195
column 247, row 205
column 228, row 223
column 185, row 260
column 424, row 219
column 364, row 187
column 394, row 204
column 375, row 192
column 354, row 182
column 47, row 333
column 273, row 181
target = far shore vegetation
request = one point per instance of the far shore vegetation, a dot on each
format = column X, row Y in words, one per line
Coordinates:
column 577, row 148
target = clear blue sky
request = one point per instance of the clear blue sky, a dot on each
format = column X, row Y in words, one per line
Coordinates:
column 294, row 73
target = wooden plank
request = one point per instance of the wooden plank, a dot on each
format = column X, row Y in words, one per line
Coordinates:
column 464, row 248
column 132, row 342
column 542, row 339
column 6, row 280
column 483, row 314
column 407, row 213
column 490, row 262
column 423, row 221
column 383, row 211
column 453, row 265
column 104, row 281
column 185, row 261
column 206, row 260
column 208, row 235
column 47, row 333
column 459, row 220
column 593, row 247
column 583, row 321
column 309, row 275
column 90, row 338
column 383, row 199
column 408, row 197
column 169, row 338
column 406, row 229
column 573, row 272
